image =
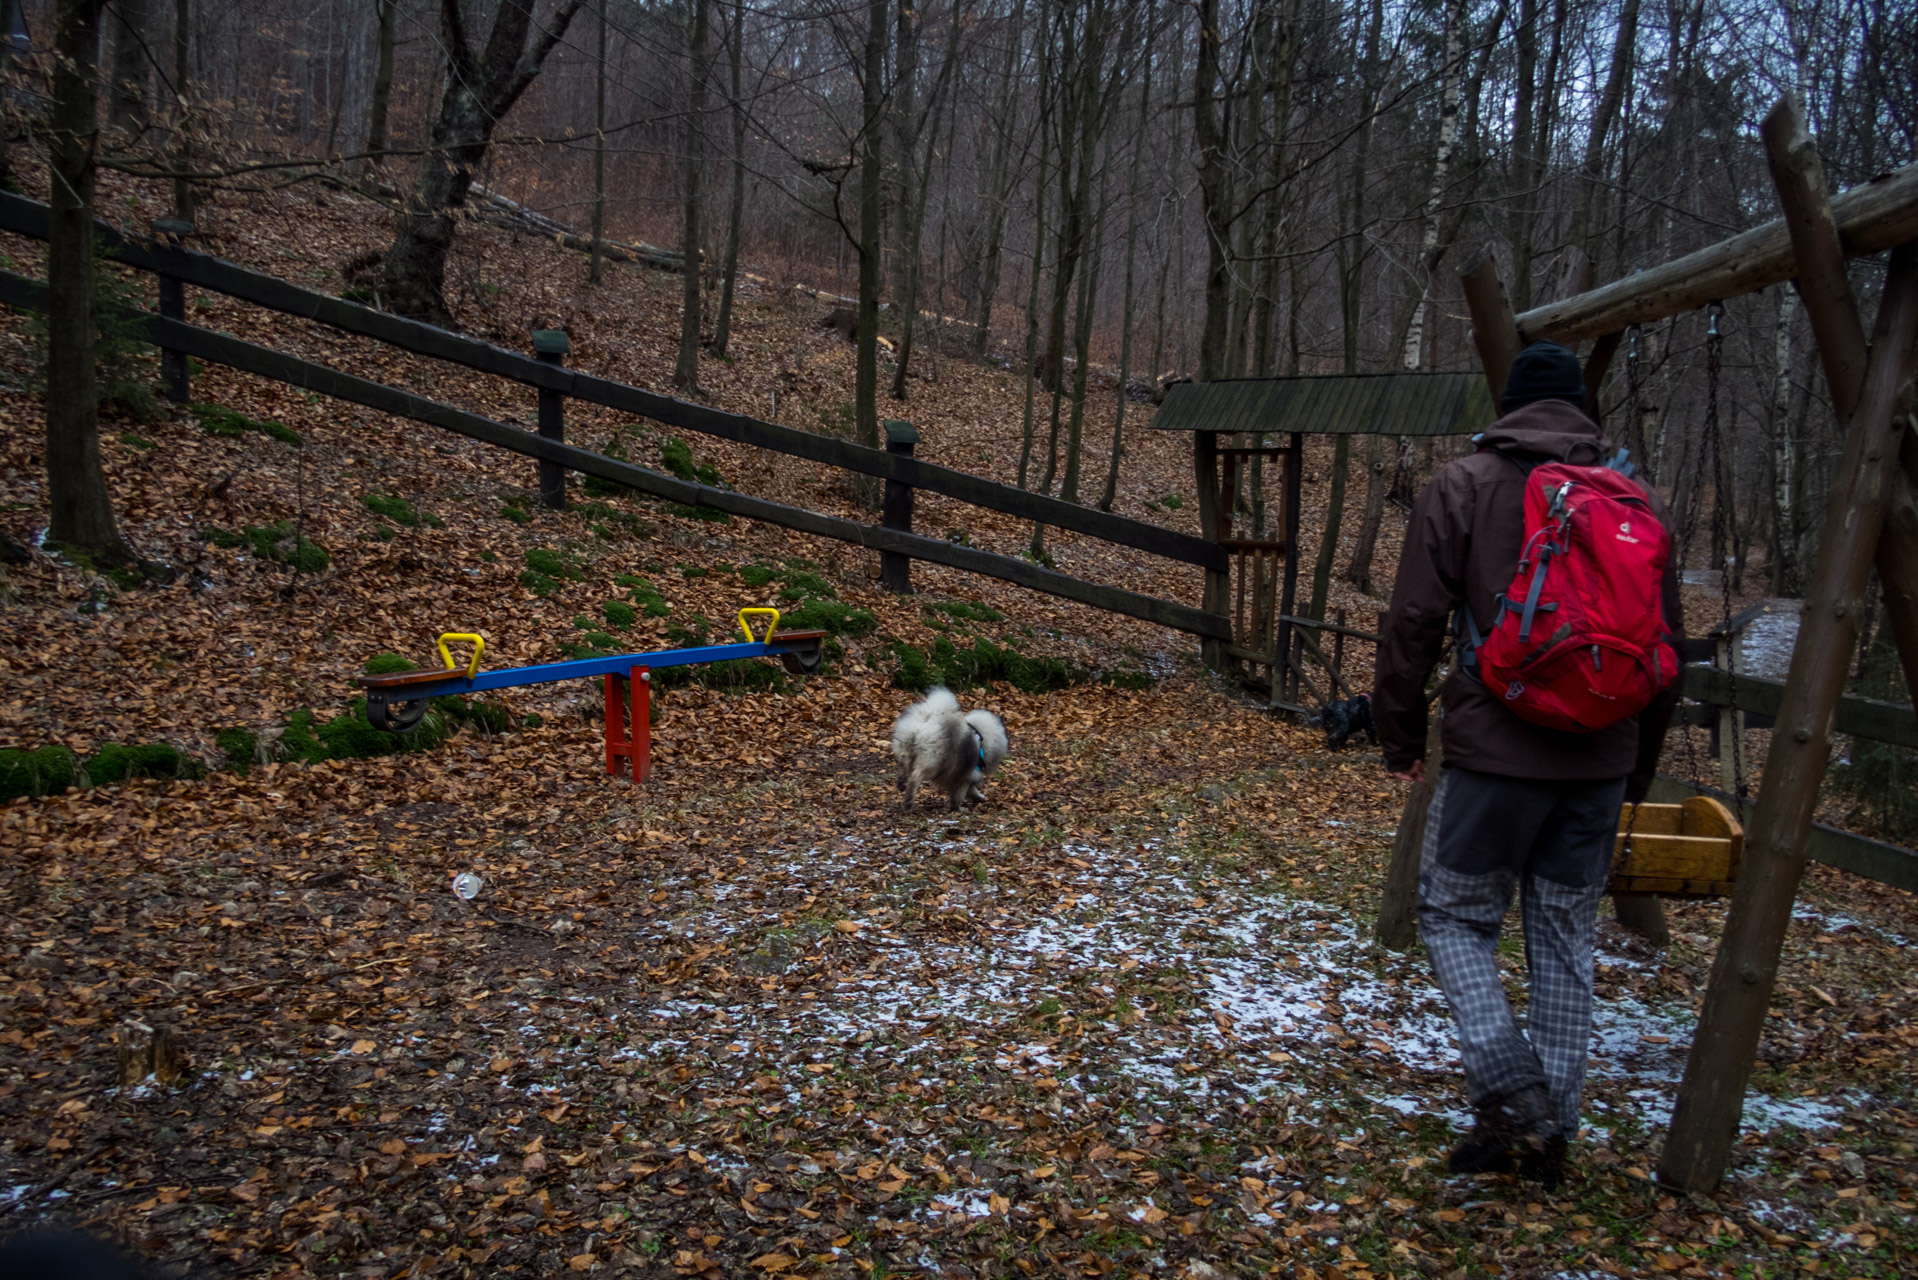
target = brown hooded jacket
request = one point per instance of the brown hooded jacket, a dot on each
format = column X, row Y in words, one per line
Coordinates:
column 1462, row 545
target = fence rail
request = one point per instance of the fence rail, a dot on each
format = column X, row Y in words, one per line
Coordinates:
column 29, row 218
column 219, row 348
column 1759, row 699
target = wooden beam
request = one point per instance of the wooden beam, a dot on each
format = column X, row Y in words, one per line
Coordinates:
column 29, row 218
column 1494, row 331
column 1854, row 717
column 1824, row 286
column 1823, row 283
column 1871, row 217
column 1712, row 1097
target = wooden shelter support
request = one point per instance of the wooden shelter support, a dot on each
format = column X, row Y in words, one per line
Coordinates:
column 1825, row 289
column 1217, row 596
column 1711, row 1098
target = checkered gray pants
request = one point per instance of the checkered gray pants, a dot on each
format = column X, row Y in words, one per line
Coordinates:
column 1486, row 834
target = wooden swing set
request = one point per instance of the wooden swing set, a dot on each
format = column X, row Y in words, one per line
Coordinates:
column 1871, row 518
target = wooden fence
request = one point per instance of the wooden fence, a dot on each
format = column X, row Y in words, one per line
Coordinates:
column 170, row 332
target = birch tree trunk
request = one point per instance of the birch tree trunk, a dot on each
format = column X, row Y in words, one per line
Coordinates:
column 599, row 155
column 1432, row 248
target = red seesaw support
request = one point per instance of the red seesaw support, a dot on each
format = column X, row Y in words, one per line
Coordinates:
column 638, row 747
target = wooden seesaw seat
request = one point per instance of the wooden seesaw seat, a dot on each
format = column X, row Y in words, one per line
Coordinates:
column 1688, row 850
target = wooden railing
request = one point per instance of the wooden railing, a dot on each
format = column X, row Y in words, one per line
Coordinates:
column 173, row 335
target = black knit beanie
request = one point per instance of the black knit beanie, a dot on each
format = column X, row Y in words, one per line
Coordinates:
column 1543, row 371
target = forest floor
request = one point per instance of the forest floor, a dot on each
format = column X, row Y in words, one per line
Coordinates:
column 751, row 1018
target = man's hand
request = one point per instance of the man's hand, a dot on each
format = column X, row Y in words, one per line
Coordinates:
column 1415, row 774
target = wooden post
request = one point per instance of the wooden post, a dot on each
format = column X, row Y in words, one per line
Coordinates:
column 1494, row 331
column 1284, row 678
column 1898, row 545
column 1824, row 287
column 1712, row 1097
column 1218, row 582
column 175, row 370
column 551, row 346
column 895, row 568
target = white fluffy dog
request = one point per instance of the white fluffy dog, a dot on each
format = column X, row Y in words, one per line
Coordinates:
column 937, row 745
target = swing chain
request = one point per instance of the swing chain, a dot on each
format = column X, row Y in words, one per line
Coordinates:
column 1722, row 534
column 1634, row 407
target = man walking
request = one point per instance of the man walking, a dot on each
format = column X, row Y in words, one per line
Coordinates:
column 1540, row 559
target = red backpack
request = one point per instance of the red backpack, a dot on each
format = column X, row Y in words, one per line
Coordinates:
column 1580, row 640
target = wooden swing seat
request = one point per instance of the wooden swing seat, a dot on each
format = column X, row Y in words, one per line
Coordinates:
column 1688, row 850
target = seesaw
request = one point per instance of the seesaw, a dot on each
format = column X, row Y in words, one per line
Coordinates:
column 396, row 703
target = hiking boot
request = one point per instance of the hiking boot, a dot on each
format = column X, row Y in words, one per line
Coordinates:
column 1547, row 1167
column 1510, row 1127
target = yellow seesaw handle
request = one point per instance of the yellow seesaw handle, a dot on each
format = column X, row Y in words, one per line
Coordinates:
column 479, row 647
column 747, row 631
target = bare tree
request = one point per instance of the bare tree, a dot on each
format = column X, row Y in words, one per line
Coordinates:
column 81, row 509
column 480, row 87
column 686, row 372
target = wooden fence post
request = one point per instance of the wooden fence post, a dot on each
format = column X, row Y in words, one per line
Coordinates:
column 1711, row 1099
column 175, row 371
column 552, row 346
column 895, row 567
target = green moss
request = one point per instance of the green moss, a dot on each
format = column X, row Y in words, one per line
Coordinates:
column 757, row 575
column 533, row 720
column 279, row 542
column 619, row 614
column 688, row 634
column 966, row 611
column 517, row 514
column 981, row 663
column 218, row 420
column 489, row 557
column 712, row 515
column 803, row 586
column 400, row 511
column 44, row 771
column 829, row 615
column 554, row 564
column 487, row 717
column 1173, row 501
column 348, row 736
column 358, row 293
column 915, row 673
column 240, row 747
column 388, row 664
column 677, row 457
column 114, row 763
column 691, row 571
column 545, row 570
column 1134, row 680
column 134, row 441
column 645, row 595
column 599, row 487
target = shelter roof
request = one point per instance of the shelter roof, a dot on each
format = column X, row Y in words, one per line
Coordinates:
column 1391, row 404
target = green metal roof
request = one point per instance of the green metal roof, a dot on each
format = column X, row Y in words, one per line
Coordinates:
column 1388, row 404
